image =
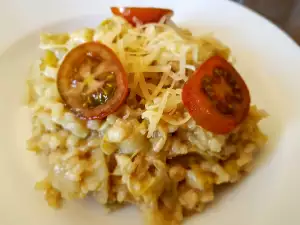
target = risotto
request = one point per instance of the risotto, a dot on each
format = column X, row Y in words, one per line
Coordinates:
column 149, row 147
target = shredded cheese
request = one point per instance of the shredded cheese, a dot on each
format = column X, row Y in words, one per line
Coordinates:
column 158, row 58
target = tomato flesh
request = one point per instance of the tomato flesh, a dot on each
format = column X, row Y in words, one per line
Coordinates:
column 216, row 96
column 135, row 15
column 92, row 81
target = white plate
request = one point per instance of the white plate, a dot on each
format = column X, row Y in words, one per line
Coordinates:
column 267, row 58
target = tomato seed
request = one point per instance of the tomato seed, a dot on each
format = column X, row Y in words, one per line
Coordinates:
column 218, row 71
column 224, row 108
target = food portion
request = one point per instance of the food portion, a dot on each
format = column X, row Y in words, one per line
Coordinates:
column 92, row 81
column 139, row 16
column 140, row 113
column 216, row 96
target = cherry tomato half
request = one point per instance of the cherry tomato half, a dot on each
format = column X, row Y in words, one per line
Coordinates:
column 136, row 15
column 216, row 96
column 92, row 81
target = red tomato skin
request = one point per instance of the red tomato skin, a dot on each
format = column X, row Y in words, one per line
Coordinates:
column 200, row 107
column 98, row 113
column 143, row 15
